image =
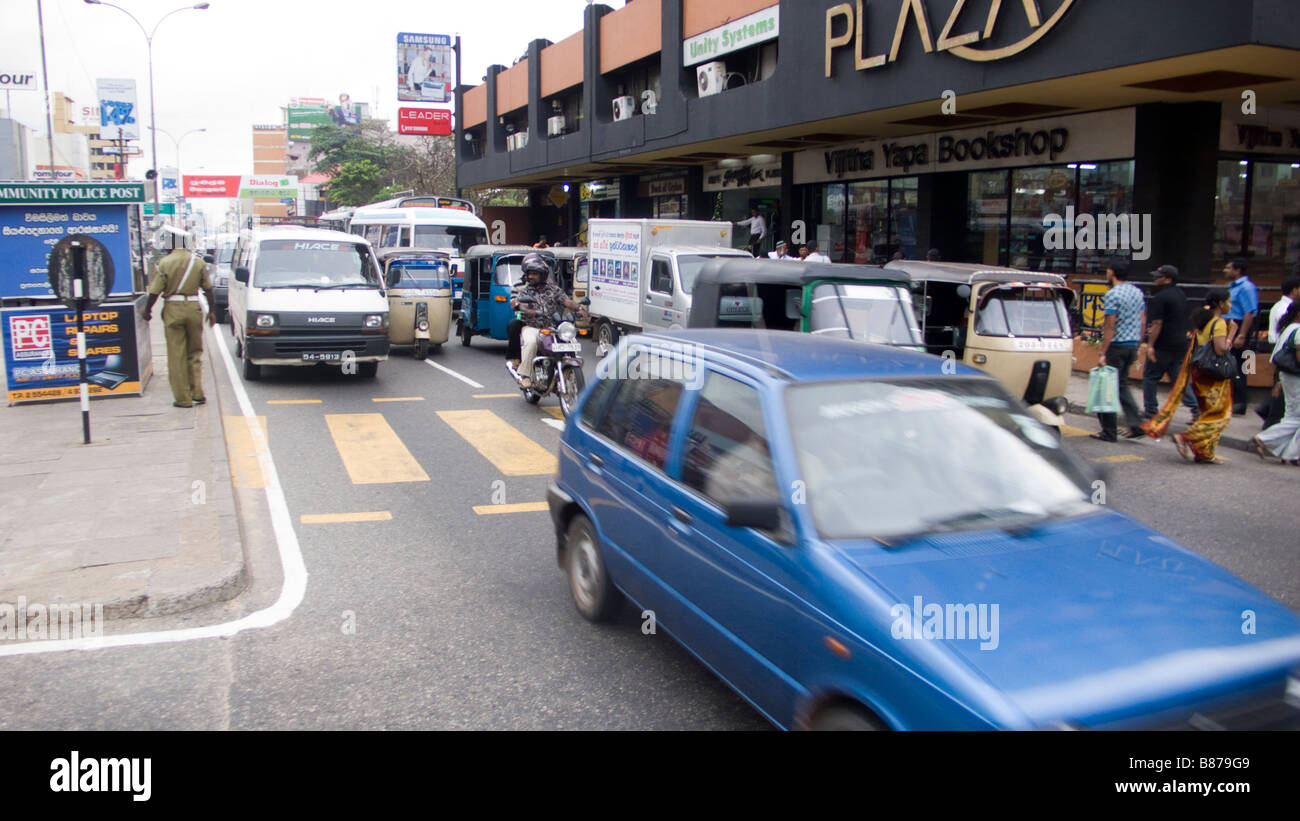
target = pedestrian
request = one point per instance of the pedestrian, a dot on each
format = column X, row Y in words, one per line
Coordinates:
column 1283, row 439
column 803, row 253
column 1245, row 306
column 1167, row 339
column 178, row 278
column 814, row 255
column 1122, row 330
column 757, row 230
column 1271, row 411
column 541, row 242
column 779, row 252
column 932, row 255
column 897, row 256
column 1213, row 394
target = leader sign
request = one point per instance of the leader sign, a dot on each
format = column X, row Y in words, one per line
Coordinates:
column 431, row 121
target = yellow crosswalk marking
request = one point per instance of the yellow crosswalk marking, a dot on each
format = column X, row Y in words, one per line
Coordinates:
column 513, row 453
column 244, row 453
column 293, row 401
column 398, row 399
column 495, row 395
column 338, row 518
column 522, row 507
column 554, row 411
column 1071, row 430
column 1123, row 457
column 371, row 451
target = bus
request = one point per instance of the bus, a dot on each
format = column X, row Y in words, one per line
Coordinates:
column 443, row 224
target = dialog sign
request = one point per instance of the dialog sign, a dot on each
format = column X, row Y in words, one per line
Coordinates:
column 430, row 121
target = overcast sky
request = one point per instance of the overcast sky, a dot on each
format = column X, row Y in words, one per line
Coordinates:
column 237, row 62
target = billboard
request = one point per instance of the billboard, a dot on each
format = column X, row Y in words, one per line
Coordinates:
column 303, row 118
column 117, row 110
column 260, row 187
column 221, row 185
column 431, row 121
column 425, row 68
column 40, row 351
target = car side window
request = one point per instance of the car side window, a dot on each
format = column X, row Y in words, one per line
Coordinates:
column 661, row 276
column 640, row 417
column 595, row 406
column 727, row 456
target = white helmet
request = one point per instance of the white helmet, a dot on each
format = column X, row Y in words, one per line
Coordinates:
column 168, row 238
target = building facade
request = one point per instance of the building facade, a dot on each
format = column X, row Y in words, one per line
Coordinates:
column 1043, row 134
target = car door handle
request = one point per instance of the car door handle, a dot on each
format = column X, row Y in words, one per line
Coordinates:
column 681, row 515
column 595, row 460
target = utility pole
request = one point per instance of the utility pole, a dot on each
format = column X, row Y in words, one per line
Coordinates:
column 45, row 73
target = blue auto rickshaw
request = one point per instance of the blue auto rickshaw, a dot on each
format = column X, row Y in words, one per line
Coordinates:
column 492, row 272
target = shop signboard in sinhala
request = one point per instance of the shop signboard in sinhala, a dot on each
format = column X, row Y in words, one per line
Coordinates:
column 1103, row 135
column 615, row 259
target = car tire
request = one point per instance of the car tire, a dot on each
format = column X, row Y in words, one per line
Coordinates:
column 252, row 372
column 239, row 344
column 844, row 717
column 594, row 595
column 367, row 370
column 606, row 338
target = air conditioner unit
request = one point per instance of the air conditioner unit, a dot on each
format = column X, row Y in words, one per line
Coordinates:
column 521, row 139
column 555, row 126
column 711, row 77
column 624, row 108
column 510, row 142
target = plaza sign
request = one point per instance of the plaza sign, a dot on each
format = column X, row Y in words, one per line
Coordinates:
column 759, row 27
column 959, row 45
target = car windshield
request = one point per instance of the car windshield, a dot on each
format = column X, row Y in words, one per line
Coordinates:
column 448, row 237
column 226, row 254
column 869, row 313
column 689, row 265
column 1023, row 312
column 509, row 273
column 421, row 273
column 891, row 458
column 287, row 263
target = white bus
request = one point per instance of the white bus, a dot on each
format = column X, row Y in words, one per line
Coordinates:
column 439, row 223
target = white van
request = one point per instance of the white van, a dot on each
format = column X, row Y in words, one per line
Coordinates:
column 410, row 224
column 306, row 296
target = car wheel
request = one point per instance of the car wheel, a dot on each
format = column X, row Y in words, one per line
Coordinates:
column 574, row 382
column 593, row 593
column 844, row 717
column 606, row 338
column 239, row 343
column 252, row 372
column 421, row 348
column 367, row 370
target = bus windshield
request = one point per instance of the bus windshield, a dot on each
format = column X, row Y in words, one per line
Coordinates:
column 457, row 237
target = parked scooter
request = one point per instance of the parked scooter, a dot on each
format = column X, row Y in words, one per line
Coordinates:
column 557, row 366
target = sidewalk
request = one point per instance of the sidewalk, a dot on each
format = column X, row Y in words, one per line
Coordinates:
column 142, row 520
column 1237, row 435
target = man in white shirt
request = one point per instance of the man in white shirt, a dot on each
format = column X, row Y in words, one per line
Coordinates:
column 757, row 231
column 814, row 255
column 781, row 251
column 1271, row 412
column 421, row 68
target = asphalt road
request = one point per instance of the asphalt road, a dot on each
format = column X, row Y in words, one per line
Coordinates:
column 441, row 617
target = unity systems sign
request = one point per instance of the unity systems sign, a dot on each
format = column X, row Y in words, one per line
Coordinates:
column 845, row 24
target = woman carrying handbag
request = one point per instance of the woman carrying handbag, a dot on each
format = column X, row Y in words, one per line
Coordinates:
column 1213, row 388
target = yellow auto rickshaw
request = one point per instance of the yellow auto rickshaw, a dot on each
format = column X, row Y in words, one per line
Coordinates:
column 1013, row 324
column 419, row 297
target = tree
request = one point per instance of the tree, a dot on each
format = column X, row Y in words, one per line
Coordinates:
column 357, row 183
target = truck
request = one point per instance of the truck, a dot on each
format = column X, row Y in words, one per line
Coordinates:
column 641, row 272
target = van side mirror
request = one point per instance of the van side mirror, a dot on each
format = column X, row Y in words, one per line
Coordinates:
column 241, row 275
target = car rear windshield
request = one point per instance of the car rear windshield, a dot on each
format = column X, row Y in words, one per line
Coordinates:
column 448, row 236
column 869, row 313
column 292, row 263
column 880, row 458
column 1023, row 312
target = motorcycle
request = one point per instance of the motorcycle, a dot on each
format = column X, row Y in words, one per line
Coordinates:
column 557, row 366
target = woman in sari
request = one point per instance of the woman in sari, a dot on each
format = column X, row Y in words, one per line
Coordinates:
column 1213, row 395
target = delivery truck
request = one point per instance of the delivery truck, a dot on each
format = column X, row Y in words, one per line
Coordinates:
column 642, row 270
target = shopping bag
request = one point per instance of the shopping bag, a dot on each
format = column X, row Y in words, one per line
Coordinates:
column 1103, row 390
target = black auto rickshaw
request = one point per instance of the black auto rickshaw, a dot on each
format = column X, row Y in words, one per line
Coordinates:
column 863, row 302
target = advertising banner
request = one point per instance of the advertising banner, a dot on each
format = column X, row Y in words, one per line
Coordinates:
column 614, row 276
column 16, row 80
column 40, row 351
column 222, row 185
column 304, row 118
column 752, row 29
column 169, row 184
column 268, row 187
column 431, row 121
column 117, row 110
column 28, row 233
column 746, row 176
column 425, row 68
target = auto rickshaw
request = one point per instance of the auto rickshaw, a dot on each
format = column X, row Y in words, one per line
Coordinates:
column 1013, row 324
column 419, row 297
column 863, row 302
column 572, row 271
column 492, row 272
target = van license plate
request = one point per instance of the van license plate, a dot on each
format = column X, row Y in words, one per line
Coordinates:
column 322, row 356
column 564, row 347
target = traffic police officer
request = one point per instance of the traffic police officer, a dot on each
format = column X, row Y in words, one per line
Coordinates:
column 177, row 279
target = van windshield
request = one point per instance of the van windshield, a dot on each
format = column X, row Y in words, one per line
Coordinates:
column 1023, row 312
column 869, row 313
column 290, row 263
column 448, row 236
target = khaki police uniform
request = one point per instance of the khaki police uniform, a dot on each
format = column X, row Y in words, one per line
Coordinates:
column 182, row 321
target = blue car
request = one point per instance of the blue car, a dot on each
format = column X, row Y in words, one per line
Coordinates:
column 860, row 537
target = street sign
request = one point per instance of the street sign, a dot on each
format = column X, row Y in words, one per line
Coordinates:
column 165, row 208
column 81, row 273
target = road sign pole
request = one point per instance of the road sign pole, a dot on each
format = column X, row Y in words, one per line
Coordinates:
column 79, row 291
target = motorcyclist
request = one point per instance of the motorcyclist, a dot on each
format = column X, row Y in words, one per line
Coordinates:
column 548, row 299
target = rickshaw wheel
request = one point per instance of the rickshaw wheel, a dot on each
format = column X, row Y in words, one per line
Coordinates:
column 421, row 348
column 465, row 335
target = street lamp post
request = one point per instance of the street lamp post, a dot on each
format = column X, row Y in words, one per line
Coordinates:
column 153, row 120
column 180, row 174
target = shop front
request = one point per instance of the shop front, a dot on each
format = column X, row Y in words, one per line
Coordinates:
column 737, row 187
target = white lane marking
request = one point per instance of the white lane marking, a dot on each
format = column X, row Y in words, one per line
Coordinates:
column 555, row 423
column 450, row 372
column 295, row 570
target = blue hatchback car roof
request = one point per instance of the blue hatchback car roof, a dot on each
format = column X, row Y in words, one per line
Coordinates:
column 799, row 357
